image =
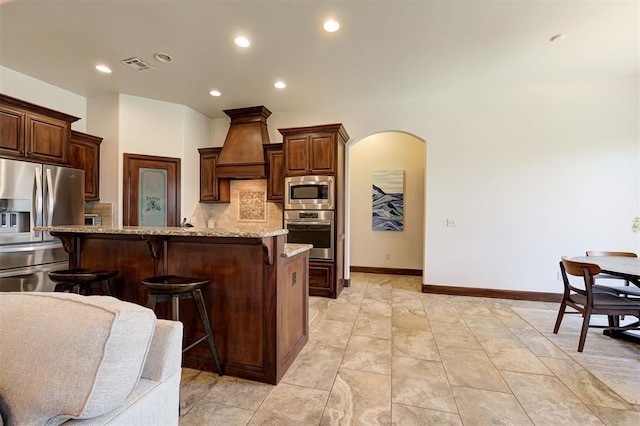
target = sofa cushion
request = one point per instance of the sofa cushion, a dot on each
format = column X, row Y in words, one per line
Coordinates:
column 69, row 356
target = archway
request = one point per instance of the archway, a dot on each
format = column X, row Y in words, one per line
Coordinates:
column 385, row 251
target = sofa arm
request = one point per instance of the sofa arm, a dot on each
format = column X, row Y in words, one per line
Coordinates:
column 165, row 353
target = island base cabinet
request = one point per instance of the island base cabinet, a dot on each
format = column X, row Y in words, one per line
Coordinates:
column 130, row 258
column 257, row 301
column 293, row 312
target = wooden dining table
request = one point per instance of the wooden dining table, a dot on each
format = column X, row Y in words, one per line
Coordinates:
column 620, row 266
column 624, row 267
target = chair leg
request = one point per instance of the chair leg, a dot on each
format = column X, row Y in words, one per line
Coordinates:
column 563, row 307
column 586, row 315
column 152, row 299
column 199, row 300
column 105, row 287
column 175, row 307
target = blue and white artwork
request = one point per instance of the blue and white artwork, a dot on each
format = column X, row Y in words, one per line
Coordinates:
column 388, row 200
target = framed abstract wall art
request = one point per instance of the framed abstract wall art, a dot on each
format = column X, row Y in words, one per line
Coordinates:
column 388, row 200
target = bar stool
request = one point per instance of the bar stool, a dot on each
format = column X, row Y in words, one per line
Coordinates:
column 172, row 287
column 82, row 281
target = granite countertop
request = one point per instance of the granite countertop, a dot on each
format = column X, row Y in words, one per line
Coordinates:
column 291, row 249
column 237, row 232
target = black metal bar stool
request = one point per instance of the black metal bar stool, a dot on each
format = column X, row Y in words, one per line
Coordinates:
column 172, row 287
column 82, row 281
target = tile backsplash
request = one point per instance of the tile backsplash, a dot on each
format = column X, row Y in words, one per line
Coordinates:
column 105, row 210
column 247, row 207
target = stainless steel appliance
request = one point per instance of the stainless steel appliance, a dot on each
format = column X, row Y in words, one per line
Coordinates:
column 92, row 219
column 309, row 193
column 312, row 227
column 31, row 195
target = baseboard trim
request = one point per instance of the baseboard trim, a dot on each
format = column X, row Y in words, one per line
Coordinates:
column 492, row 293
column 390, row 271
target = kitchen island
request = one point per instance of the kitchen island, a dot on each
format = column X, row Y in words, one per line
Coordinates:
column 257, row 301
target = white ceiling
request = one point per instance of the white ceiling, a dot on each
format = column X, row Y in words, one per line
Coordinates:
column 390, row 49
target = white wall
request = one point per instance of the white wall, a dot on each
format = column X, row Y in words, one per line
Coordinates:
column 38, row 92
column 103, row 121
column 387, row 151
column 529, row 174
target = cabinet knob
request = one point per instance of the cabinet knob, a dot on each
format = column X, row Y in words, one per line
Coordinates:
column 29, row 152
column 21, row 152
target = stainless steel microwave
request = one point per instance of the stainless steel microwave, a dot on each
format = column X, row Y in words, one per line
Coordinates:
column 92, row 219
column 309, row 193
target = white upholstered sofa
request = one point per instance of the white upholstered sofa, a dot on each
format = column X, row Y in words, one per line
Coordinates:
column 86, row 360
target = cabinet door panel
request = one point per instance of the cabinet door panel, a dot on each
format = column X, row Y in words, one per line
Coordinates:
column 296, row 156
column 212, row 189
column 322, row 154
column 48, row 139
column 85, row 155
column 11, row 132
column 275, row 183
column 321, row 279
column 208, row 191
column 294, row 311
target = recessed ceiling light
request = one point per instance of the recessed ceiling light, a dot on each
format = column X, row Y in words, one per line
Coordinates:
column 215, row 93
column 163, row 57
column 279, row 85
column 331, row 26
column 103, row 68
column 242, row 41
column 557, row 37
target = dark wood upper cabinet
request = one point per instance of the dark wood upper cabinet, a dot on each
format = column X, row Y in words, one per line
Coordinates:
column 274, row 156
column 34, row 133
column 11, row 131
column 212, row 189
column 85, row 155
column 312, row 150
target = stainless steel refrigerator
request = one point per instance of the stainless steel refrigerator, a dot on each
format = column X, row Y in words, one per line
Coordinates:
column 31, row 195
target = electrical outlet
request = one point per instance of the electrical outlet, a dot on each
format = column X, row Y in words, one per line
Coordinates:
column 559, row 276
column 387, row 256
column 451, row 223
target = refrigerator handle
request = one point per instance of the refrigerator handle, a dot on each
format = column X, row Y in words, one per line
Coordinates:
column 49, row 221
column 37, row 204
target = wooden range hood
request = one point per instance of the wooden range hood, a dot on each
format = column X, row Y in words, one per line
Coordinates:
column 242, row 155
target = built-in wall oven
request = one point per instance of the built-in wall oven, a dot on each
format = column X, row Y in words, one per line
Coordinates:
column 309, row 193
column 312, row 227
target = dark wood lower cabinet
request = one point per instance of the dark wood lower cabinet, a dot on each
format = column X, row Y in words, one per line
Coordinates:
column 257, row 301
column 323, row 281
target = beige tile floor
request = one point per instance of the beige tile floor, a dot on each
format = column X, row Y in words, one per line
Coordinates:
column 384, row 353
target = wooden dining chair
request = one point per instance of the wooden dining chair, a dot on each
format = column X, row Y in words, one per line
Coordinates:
column 587, row 302
column 625, row 290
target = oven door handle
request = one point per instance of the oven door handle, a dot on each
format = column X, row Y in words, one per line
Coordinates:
column 301, row 222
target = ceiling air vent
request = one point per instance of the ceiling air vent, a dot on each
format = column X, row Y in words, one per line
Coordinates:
column 137, row 64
